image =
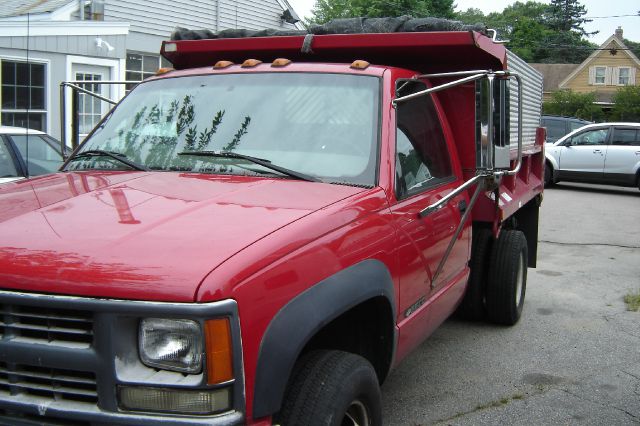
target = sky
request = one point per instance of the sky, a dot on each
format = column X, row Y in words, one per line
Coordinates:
column 605, row 13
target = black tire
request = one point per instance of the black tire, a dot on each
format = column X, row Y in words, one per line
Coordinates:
column 548, row 175
column 328, row 386
column 507, row 280
column 472, row 307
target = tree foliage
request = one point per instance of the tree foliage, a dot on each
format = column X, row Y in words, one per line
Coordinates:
column 539, row 32
column 326, row 10
column 571, row 104
column 627, row 104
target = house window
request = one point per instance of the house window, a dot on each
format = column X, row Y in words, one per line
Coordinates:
column 94, row 10
column 623, row 76
column 23, row 94
column 89, row 107
column 600, row 75
column 141, row 66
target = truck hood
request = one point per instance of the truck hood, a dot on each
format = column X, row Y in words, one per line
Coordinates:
column 150, row 236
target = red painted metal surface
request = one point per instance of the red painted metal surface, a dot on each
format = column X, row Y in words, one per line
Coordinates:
column 434, row 51
column 197, row 238
column 120, row 236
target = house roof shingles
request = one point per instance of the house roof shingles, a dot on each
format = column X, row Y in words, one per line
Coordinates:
column 10, row 8
column 553, row 74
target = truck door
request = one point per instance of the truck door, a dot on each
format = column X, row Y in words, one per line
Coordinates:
column 423, row 175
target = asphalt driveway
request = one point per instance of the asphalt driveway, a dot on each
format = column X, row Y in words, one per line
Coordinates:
column 574, row 357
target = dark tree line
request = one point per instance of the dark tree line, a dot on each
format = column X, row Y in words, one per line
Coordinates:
column 537, row 32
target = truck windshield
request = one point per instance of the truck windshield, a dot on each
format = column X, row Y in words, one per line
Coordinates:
column 320, row 125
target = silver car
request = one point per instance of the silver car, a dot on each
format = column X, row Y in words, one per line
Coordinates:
column 26, row 153
column 606, row 153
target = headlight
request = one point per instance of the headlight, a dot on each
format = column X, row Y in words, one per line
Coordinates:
column 171, row 344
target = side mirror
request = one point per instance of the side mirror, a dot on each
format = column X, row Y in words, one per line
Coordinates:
column 493, row 123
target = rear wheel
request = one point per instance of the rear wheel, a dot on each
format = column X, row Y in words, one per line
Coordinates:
column 472, row 306
column 507, row 279
column 332, row 388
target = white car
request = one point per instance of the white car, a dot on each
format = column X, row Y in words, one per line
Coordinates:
column 606, row 153
column 26, row 152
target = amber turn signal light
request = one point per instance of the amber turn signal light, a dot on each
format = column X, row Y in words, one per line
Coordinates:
column 219, row 351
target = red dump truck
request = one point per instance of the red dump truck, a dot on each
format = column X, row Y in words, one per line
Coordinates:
column 259, row 235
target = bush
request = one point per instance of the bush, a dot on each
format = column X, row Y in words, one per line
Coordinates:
column 571, row 104
column 627, row 104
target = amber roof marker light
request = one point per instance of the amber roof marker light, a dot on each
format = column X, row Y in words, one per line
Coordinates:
column 360, row 64
column 164, row 70
column 249, row 63
column 222, row 64
column 280, row 62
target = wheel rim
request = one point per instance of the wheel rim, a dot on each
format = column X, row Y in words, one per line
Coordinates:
column 519, row 281
column 356, row 415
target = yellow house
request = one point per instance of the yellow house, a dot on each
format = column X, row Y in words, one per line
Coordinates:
column 611, row 66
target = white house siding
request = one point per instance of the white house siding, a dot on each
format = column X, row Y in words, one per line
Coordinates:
column 72, row 45
column 251, row 15
column 160, row 17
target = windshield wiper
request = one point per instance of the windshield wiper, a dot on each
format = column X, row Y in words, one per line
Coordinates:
column 115, row 155
column 260, row 161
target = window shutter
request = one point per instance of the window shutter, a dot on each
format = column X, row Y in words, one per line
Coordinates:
column 632, row 76
column 608, row 80
column 615, row 76
column 592, row 75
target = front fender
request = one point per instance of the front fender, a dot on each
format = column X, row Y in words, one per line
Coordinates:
column 552, row 155
column 300, row 319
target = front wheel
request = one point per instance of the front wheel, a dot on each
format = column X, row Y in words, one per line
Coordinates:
column 548, row 175
column 507, row 280
column 332, row 388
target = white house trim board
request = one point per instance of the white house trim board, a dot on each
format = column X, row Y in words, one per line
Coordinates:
column 47, row 78
column 116, row 71
column 58, row 28
column 63, row 13
column 586, row 62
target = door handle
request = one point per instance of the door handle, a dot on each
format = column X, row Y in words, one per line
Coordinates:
column 637, row 152
column 462, row 206
column 597, row 151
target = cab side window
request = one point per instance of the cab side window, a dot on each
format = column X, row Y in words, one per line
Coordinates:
column 591, row 137
column 422, row 158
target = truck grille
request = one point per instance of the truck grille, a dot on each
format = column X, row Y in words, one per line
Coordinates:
column 8, row 417
column 50, row 383
column 45, row 325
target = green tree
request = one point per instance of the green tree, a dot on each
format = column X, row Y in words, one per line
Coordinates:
column 568, row 16
column 326, row 10
column 563, row 48
column 627, row 104
column 633, row 46
column 572, row 104
column 539, row 32
column 471, row 16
